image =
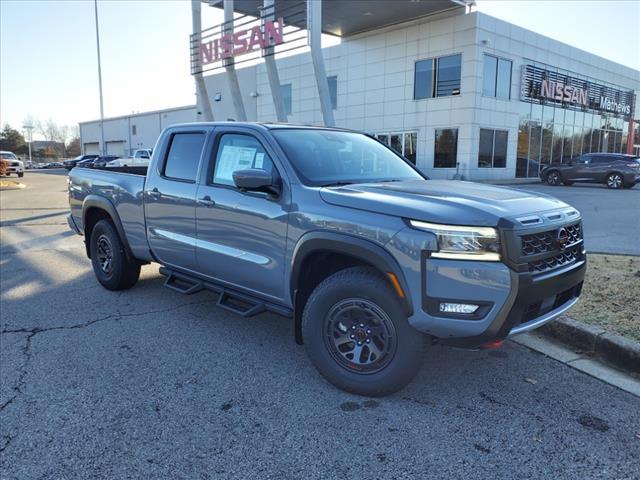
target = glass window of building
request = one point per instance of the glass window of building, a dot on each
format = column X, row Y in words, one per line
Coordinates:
column 493, row 148
column 333, row 90
column 489, row 75
column 404, row 143
column 285, row 91
column 448, row 72
column 423, row 79
column 437, row 77
column 503, row 84
column 496, row 80
column 446, row 148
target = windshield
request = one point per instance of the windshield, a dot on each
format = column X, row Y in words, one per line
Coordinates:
column 8, row 156
column 327, row 157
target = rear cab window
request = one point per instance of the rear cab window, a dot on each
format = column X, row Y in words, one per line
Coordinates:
column 183, row 156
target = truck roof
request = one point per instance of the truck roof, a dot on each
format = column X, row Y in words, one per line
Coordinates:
column 266, row 125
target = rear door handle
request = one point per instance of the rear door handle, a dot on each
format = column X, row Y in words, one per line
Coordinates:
column 206, row 201
column 155, row 193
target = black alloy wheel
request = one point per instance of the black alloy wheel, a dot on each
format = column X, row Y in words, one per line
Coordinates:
column 360, row 335
column 104, row 252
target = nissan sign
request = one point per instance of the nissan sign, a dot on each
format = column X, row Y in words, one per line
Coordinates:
column 243, row 41
column 550, row 87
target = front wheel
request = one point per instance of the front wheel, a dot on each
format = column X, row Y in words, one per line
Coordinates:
column 553, row 178
column 20, row 174
column 614, row 181
column 113, row 269
column 357, row 335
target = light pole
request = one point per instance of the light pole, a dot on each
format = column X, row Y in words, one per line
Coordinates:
column 102, row 146
column 29, row 128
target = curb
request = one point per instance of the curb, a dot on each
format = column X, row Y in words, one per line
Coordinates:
column 17, row 186
column 619, row 351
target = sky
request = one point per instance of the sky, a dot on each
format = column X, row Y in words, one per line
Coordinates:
column 48, row 64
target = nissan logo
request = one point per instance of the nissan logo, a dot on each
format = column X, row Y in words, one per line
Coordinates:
column 562, row 239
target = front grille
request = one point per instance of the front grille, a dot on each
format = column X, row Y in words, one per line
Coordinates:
column 15, row 164
column 544, row 242
column 543, row 252
column 561, row 259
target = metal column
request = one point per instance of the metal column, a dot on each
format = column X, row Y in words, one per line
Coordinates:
column 314, row 27
column 272, row 69
column 230, row 68
column 203, row 105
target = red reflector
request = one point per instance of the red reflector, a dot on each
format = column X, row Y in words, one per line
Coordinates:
column 493, row 344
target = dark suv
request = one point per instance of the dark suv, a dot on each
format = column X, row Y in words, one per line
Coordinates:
column 69, row 164
column 615, row 170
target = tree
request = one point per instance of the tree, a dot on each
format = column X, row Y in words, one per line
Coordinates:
column 12, row 140
column 73, row 147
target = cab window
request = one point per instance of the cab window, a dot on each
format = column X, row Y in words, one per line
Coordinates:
column 238, row 152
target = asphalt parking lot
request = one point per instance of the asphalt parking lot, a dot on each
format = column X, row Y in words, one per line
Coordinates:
column 611, row 218
column 147, row 383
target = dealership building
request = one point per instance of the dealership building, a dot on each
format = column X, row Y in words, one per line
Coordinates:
column 459, row 93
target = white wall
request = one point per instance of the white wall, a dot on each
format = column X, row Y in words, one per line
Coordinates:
column 224, row 110
column 147, row 125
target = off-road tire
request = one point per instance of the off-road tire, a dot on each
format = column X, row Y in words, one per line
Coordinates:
column 361, row 286
column 122, row 272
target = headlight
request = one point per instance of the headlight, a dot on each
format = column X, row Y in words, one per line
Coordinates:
column 463, row 243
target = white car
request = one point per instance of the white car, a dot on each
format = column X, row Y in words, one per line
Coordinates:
column 14, row 165
column 140, row 158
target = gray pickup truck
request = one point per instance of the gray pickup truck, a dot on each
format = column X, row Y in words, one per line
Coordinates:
column 372, row 260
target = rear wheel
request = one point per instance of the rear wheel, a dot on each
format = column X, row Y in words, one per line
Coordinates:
column 553, row 178
column 357, row 334
column 113, row 269
column 614, row 181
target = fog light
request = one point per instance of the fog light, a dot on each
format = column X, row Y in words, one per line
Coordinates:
column 464, row 308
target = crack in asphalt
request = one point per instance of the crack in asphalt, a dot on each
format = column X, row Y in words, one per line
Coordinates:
column 26, row 350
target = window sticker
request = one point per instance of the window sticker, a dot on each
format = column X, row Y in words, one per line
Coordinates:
column 259, row 162
column 232, row 159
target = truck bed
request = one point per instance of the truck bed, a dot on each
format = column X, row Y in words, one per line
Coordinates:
column 123, row 188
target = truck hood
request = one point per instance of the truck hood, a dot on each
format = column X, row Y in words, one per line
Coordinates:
column 442, row 201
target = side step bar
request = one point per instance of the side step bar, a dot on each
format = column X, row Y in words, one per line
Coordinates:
column 228, row 299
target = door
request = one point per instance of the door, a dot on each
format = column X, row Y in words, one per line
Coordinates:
column 170, row 199
column 91, row 149
column 115, row 148
column 241, row 235
column 581, row 168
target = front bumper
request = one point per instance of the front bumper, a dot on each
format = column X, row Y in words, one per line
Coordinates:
column 513, row 302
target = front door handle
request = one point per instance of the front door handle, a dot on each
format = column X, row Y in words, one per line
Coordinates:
column 155, row 193
column 206, row 201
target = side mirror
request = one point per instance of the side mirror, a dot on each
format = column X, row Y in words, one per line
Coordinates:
column 256, row 180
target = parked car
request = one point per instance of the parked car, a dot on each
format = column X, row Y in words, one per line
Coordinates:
column 13, row 165
column 97, row 162
column 129, row 162
column 372, row 261
column 615, row 170
column 53, row 165
column 69, row 164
